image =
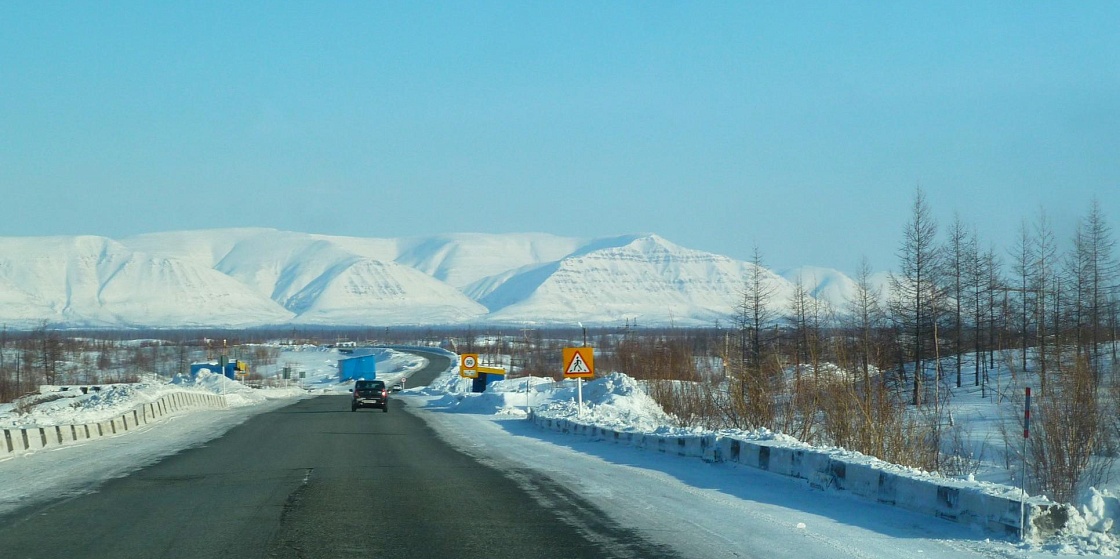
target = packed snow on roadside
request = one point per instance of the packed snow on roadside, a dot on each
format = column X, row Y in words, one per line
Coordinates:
column 619, row 403
column 55, row 406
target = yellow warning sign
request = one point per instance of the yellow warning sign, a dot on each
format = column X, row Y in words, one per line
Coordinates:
column 579, row 362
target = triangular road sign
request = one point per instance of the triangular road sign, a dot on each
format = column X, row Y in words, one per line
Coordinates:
column 579, row 362
column 577, row 366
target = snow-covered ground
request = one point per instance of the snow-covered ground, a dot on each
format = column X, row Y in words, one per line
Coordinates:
column 705, row 509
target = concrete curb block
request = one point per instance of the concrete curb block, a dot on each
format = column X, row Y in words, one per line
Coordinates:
column 948, row 499
column 30, row 439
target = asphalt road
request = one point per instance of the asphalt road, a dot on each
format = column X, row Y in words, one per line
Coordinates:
column 315, row 480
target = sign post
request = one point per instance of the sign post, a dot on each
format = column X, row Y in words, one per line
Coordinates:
column 579, row 363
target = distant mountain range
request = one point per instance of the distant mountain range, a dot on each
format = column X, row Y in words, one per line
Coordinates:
column 245, row 278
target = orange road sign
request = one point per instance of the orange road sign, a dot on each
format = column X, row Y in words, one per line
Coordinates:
column 579, row 362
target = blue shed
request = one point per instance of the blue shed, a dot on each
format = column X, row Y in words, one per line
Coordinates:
column 363, row 367
column 231, row 368
column 484, row 380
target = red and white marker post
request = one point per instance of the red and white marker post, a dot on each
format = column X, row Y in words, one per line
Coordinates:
column 1023, row 475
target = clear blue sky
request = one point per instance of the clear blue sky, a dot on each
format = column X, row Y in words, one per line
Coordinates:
column 801, row 128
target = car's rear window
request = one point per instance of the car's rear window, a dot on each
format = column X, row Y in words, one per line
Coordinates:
column 364, row 384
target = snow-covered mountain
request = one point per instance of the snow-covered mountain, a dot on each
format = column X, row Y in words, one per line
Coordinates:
column 642, row 278
column 258, row 277
column 94, row 281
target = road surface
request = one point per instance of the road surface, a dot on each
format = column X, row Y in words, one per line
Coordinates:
column 315, row 480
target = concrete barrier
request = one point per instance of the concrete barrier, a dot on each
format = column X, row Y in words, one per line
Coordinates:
column 30, row 439
column 12, row 442
column 51, row 436
column 861, row 479
column 951, row 500
column 783, row 461
column 33, row 438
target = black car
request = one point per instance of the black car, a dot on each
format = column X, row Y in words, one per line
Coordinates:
column 370, row 394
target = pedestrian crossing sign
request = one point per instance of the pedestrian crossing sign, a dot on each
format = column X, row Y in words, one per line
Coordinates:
column 579, row 362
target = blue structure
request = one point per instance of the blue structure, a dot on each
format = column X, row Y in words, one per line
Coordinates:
column 484, row 380
column 363, row 367
column 231, row 368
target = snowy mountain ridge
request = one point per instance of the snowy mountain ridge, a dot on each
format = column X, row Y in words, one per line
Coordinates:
column 247, row 277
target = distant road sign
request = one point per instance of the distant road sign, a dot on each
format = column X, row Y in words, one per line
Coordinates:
column 579, row 362
column 468, row 365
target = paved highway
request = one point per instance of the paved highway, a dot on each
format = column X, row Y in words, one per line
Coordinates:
column 315, row 480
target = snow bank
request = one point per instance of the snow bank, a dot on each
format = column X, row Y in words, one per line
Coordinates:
column 64, row 415
column 30, row 439
column 236, row 393
column 617, row 409
column 101, row 402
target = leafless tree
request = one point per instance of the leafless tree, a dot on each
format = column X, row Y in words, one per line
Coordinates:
column 808, row 319
column 865, row 317
column 957, row 258
column 755, row 310
column 1021, row 295
column 1093, row 274
column 1044, row 285
column 914, row 289
column 995, row 285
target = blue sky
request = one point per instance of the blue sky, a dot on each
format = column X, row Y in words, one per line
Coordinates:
column 801, row 128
